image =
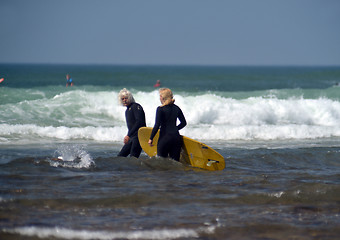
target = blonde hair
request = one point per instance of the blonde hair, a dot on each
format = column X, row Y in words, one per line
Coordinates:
column 125, row 93
column 167, row 96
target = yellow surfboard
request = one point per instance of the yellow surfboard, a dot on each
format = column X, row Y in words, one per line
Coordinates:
column 193, row 153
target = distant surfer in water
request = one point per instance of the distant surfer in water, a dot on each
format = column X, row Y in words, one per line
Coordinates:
column 135, row 118
column 169, row 142
column 69, row 81
column 158, row 84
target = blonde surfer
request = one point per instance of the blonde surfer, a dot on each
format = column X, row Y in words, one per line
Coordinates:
column 169, row 142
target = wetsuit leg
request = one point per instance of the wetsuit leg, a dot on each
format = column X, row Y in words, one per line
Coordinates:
column 136, row 149
column 169, row 146
column 163, row 146
column 125, row 151
column 175, row 149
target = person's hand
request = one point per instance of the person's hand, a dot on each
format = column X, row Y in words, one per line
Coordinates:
column 126, row 139
column 150, row 143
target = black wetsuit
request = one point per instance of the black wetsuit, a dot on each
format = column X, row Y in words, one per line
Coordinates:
column 135, row 118
column 169, row 142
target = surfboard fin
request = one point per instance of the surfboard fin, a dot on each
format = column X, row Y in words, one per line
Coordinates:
column 210, row 162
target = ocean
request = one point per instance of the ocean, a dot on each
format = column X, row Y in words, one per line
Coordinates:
column 278, row 129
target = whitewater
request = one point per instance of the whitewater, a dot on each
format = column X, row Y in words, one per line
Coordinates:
column 85, row 114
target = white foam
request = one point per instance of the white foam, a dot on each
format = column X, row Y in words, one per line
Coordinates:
column 97, row 116
column 58, row 232
column 72, row 156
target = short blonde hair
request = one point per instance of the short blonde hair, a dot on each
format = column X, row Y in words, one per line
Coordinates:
column 167, row 96
column 125, row 93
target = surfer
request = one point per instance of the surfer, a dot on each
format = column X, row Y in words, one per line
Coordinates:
column 135, row 118
column 169, row 142
column 69, row 81
column 158, row 84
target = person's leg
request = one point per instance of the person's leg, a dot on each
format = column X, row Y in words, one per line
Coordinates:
column 125, row 151
column 136, row 149
column 175, row 149
column 163, row 147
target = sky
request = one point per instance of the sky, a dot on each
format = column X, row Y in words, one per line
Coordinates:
column 171, row 32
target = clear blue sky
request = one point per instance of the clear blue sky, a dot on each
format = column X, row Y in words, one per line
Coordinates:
column 210, row 32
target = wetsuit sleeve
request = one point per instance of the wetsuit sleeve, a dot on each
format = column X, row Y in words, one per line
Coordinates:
column 139, row 115
column 181, row 119
column 157, row 123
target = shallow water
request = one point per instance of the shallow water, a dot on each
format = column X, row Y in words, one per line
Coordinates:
column 262, row 193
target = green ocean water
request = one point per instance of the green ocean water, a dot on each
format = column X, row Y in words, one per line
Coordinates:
column 185, row 78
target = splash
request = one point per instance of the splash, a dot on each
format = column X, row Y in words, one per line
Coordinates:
column 72, row 156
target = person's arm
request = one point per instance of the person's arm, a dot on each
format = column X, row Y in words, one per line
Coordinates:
column 156, row 126
column 182, row 120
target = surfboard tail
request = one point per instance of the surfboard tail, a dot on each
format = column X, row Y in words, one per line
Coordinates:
column 193, row 153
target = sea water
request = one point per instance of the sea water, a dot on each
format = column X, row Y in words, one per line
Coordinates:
column 278, row 129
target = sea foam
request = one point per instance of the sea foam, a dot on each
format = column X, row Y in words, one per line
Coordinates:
column 59, row 232
column 97, row 116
